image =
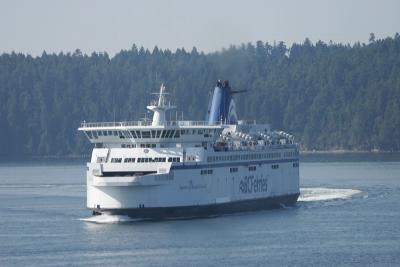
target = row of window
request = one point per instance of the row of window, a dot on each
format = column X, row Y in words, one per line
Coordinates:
column 244, row 157
column 155, row 134
column 96, row 134
column 139, row 145
column 138, row 134
column 177, row 159
column 206, row 172
column 290, row 154
column 174, row 159
column 235, row 169
column 295, row 165
column 145, row 160
column 129, row 160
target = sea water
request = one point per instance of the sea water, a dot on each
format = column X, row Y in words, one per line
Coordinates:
column 348, row 214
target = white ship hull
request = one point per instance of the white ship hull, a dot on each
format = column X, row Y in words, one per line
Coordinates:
column 183, row 192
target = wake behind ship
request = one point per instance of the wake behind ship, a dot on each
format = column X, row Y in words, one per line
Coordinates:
column 174, row 169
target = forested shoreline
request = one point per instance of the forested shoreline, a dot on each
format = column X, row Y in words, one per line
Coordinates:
column 330, row 96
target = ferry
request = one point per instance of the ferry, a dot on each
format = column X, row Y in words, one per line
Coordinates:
column 164, row 169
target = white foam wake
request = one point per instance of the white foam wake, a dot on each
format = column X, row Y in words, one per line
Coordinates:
column 108, row 219
column 323, row 194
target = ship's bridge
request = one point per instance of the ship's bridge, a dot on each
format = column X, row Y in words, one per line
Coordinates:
column 146, row 134
column 157, row 133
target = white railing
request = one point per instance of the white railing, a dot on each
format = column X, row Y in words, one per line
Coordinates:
column 144, row 123
column 149, row 122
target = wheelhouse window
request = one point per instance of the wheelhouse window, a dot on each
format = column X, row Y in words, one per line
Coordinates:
column 170, row 133
column 89, row 134
column 133, row 133
column 146, row 134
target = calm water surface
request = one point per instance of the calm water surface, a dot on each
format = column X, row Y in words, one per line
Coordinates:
column 348, row 215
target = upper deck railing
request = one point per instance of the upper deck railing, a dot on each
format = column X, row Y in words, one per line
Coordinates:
column 148, row 123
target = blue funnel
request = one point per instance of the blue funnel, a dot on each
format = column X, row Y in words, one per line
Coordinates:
column 222, row 108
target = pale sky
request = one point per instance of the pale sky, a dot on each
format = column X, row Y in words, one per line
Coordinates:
column 54, row 26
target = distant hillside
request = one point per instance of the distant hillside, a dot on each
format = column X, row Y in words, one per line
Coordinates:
column 330, row 96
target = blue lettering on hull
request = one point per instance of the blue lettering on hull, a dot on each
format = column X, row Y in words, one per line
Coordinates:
column 250, row 184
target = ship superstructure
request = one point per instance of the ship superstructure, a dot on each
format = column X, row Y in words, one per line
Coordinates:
column 173, row 169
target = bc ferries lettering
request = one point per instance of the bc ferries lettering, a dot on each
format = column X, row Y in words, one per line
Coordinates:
column 192, row 186
column 250, row 184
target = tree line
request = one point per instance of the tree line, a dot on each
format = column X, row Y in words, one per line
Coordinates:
column 329, row 95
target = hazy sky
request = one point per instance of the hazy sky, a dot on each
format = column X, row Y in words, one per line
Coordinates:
column 54, row 26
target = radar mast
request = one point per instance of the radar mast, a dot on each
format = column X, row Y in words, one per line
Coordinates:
column 160, row 108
